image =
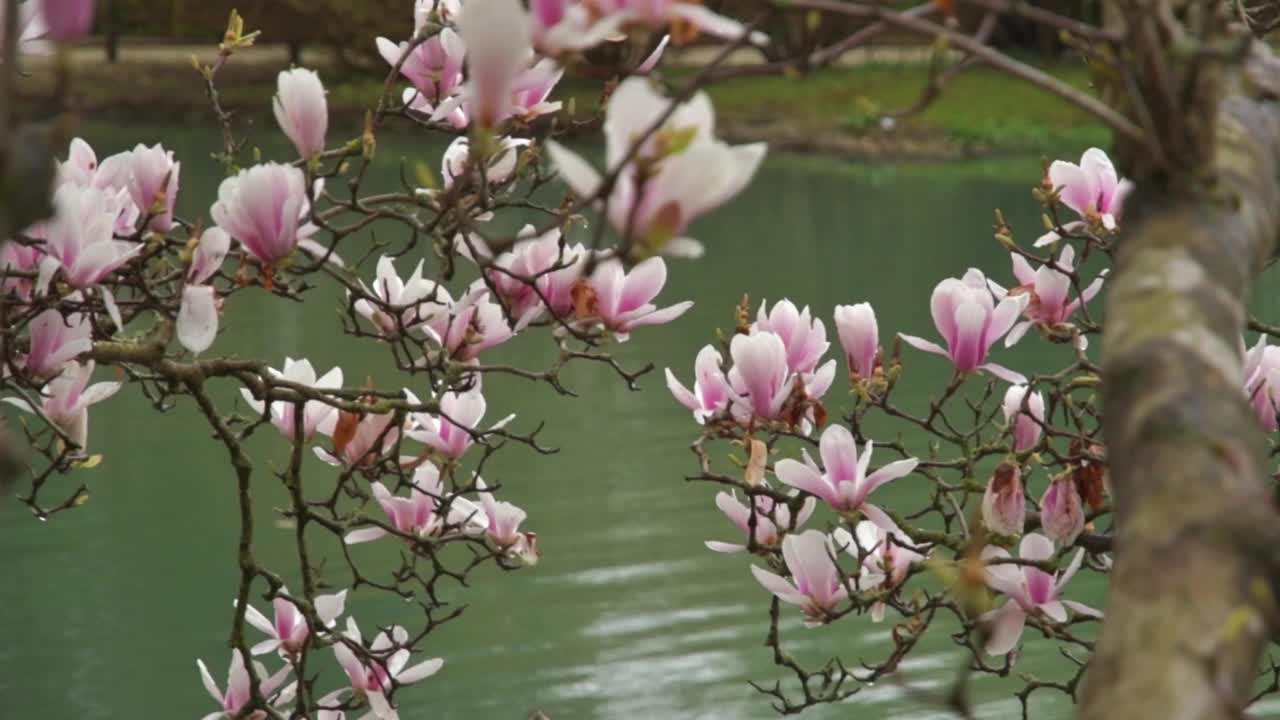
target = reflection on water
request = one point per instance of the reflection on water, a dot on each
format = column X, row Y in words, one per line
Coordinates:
column 628, row 615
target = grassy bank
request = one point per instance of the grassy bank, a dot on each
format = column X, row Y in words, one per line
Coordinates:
column 835, row 111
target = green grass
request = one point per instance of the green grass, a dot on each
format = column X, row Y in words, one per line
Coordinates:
column 980, row 112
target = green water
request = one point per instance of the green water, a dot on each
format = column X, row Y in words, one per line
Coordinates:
column 104, row 610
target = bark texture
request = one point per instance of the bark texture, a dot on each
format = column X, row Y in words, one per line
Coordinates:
column 1191, row 601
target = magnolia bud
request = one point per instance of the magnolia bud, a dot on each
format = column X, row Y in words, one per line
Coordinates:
column 1004, row 504
column 1061, row 512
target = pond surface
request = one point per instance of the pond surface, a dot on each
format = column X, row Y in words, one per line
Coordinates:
column 628, row 615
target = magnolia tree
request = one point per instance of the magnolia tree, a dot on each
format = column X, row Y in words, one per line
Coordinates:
column 1027, row 486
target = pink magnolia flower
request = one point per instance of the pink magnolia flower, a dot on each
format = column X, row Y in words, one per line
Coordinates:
column 264, row 207
column 289, row 631
column 886, row 556
column 624, row 300
column 815, row 580
column 1027, row 427
column 80, row 240
column 711, row 393
column 150, row 176
column 386, row 668
column 531, row 89
column 302, row 111
column 31, row 27
column 971, row 322
column 1262, row 383
column 211, row 250
column 197, row 321
column 17, row 257
column 81, row 165
column 759, row 381
column 845, row 485
column 66, row 400
column 402, row 297
column 804, row 336
column 373, row 435
column 55, row 341
column 451, row 432
column 772, row 520
column 564, row 25
column 467, row 327
column 1004, row 504
column 1031, row 591
column 239, row 689
column 66, row 20
column 433, row 68
column 316, row 416
column 531, row 259
column 504, row 527
column 418, row 515
column 496, row 34
column 680, row 173
column 1092, row 188
column 859, row 336
column 1050, row 305
column 499, row 168
column 1062, row 511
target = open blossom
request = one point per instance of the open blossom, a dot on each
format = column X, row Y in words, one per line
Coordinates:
column 504, row 527
column 1004, row 504
column 151, row 177
column 239, row 691
column 845, row 485
column 623, row 301
column 1050, row 304
column 56, row 340
column 450, row 432
column 499, row 168
column 680, row 173
column 1026, row 426
column 1061, row 510
column 772, row 519
column 288, row 631
column 17, row 257
column 804, row 336
column 316, row 416
column 971, row 322
column 1031, row 591
column 359, row 439
column 531, row 89
column 386, row 667
column 534, row 257
column 466, row 327
column 66, row 400
column 302, row 111
column 566, row 25
column 815, row 583
column 886, row 555
column 711, row 393
column 1092, row 189
column 419, row 514
column 859, row 336
column 1262, row 383
column 265, row 208
column 211, row 250
column 401, row 297
column 434, row 67
column 80, row 239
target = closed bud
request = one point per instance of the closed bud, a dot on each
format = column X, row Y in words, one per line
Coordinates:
column 1004, row 504
column 1061, row 512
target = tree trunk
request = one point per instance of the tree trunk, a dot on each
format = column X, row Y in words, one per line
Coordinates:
column 1192, row 601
